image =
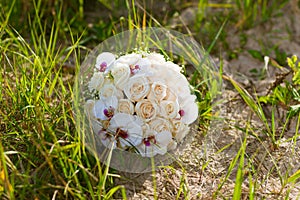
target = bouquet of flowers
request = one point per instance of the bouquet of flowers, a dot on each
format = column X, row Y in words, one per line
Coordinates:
column 133, row 105
column 142, row 101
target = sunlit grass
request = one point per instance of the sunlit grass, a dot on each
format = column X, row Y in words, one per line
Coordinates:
column 41, row 152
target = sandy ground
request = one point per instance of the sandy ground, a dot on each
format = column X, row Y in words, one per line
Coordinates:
column 201, row 172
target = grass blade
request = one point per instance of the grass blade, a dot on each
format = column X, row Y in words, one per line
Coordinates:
column 240, row 173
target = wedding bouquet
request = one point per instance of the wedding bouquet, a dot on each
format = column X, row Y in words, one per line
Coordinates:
column 142, row 101
column 134, row 108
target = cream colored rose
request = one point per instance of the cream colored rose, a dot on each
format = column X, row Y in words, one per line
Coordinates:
column 146, row 109
column 158, row 91
column 156, row 58
column 172, row 66
column 109, row 90
column 121, row 74
column 169, row 109
column 170, row 95
column 96, row 81
column 129, row 59
column 179, row 130
column 159, row 124
column 137, row 88
column 126, row 106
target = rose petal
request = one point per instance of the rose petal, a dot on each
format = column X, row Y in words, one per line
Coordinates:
column 129, row 59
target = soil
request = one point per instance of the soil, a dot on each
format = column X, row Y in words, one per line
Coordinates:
column 205, row 166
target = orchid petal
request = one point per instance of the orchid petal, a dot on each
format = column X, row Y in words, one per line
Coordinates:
column 163, row 138
column 105, row 57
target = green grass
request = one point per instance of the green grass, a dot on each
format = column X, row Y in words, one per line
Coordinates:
column 41, row 47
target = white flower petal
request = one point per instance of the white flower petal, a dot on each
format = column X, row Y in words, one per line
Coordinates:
column 169, row 109
column 106, row 57
column 109, row 90
column 159, row 124
column 129, row 59
column 163, row 138
column 137, row 88
column 98, row 110
column 120, row 120
column 156, row 58
column 160, row 149
column 190, row 109
column 107, row 141
column 121, row 74
column 158, row 91
column 134, row 140
column 96, row 81
column 144, row 67
column 146, row 109
column 110, row 103
column 126, row 106
column 146, row 151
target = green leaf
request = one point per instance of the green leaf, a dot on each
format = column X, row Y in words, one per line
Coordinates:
column 256, row 54
column 296, row 77
column 240, row 174
column 292, row 62
column 294, row 177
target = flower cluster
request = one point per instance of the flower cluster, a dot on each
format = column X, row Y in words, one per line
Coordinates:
column 142, row 102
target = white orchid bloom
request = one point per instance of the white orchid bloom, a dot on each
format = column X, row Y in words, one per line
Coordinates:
column 127, row 129
column 104, row 61
column 104, row 109
column 155, row 143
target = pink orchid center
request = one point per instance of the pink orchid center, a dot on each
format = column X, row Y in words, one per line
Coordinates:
column 121, row 133
column 181, row 113
column 109, row 112
column 147, row 141
column 103, row 66
column 134, row 69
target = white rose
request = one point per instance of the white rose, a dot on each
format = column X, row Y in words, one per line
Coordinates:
column 169, row 109
column 137, row 88
column 146, row 109
column 179, row 130
column 172, row 78
column 129, row 59
column 156, row 58
column 121, row 74
column 96, row 81
column 178, row 84
column 158, row 91
column 104, row 61
column 172, row 66
column 126, row 106
column 109, row 90
column 170, row 95
column 159, row 124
